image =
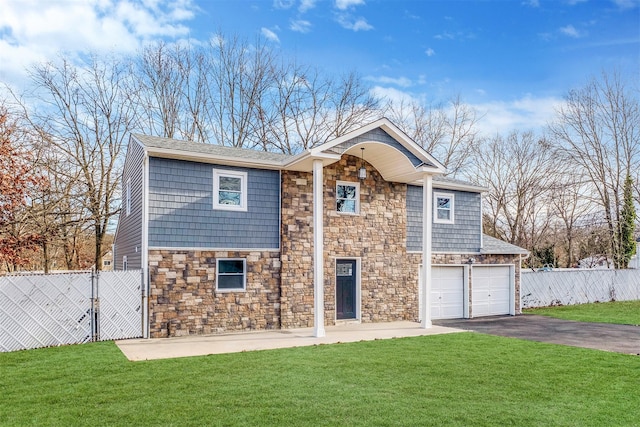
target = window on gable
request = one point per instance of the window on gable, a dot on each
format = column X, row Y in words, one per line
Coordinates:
column 231, row 274
column 229, row 190
column 348, row 197
column 443, row 208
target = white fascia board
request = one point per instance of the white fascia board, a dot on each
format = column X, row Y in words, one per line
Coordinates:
column 208, row 158
column 443, row 185
column 308, row 157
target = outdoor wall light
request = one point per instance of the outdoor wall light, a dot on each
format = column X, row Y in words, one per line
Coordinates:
column 472, row 260
column 362, row 172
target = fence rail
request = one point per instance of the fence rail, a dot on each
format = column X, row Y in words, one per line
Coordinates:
column 43, row 310
column 545, row 288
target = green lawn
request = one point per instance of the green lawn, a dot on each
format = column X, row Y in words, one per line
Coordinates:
column 621, row 312
column 464, row 379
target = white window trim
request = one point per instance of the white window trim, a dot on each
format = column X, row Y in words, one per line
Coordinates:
column 217, row 173
column 451, row 219
column 244, row 275
column 125, row 263
column 351, row 184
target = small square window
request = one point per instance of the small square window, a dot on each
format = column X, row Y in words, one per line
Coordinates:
column 231, row 274
column 443, row 208
column 229, row 190
column 348, row 197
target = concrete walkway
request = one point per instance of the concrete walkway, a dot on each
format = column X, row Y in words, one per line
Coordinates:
column 600, row 336
column 200, row 345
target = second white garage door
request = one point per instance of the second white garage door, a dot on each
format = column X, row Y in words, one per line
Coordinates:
column 490, row 291
column 447, row 292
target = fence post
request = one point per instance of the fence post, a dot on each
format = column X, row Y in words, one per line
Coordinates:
column 95, row 305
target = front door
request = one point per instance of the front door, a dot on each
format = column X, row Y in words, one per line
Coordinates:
column 345, row 289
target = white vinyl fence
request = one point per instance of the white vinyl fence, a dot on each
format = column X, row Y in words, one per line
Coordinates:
column 546, row 288
column 70, row 308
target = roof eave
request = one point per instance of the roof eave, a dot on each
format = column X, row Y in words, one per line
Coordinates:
column 210, row 158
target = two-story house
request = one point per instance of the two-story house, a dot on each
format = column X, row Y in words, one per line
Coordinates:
column 362, row 228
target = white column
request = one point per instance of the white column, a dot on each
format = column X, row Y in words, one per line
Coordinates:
column 427, row 210
column 318, row 250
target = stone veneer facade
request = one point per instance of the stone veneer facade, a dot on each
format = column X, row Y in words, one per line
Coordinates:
column 376, row 237
column 279, row 289
column 183, row 299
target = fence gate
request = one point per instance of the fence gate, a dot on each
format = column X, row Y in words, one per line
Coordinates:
column 38, row 310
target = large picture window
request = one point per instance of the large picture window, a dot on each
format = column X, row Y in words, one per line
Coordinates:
column 229, row 190
column 443, row 208
column 231, row 274
column 348, row 197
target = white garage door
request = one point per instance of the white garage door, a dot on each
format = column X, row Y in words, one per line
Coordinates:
column 490, row 291
column 447, row 292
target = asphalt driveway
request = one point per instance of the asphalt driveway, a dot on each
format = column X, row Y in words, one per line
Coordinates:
column 601, row 336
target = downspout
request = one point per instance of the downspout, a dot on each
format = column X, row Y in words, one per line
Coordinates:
column 318, row 249
column 144, row 262
column 427, row 195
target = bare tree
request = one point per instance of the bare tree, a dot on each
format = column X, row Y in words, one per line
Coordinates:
column 448, row 131
column 87, row 115
column 572, row 207
column 518, row 171
column 598, row 129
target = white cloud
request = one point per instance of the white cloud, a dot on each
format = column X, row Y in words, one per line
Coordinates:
column 270, row 35
column 430, row 52
column 396, row 81
column 306, row 5
column 571, row 31
column 33, row 30
column 626, row 4
column 394, row 95
column 359, row 24
column 346, row 4
column 283, row 4
column 300, row 26
column 527, row 113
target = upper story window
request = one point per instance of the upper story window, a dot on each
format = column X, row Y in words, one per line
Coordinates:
column 443, row 208
column 348, row 197
column 229, row 190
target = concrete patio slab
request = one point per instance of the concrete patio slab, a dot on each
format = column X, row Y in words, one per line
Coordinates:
column 200, row 345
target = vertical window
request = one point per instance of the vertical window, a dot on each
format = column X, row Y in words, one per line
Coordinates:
column 443, row 208
column 124, row 263
column 231, row 274
column 229, row 190
column 128, row 197
column 348, row 197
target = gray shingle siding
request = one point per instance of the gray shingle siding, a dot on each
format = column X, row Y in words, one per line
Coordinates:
column 462, row 236
column 129, row 233
column 181, row 210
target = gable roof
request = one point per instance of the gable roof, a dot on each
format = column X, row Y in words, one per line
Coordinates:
column 209, row 153
column 394, row 155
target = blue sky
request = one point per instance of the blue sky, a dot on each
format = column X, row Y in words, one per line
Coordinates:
column 511, row 60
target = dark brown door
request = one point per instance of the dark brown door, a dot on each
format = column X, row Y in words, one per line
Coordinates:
column 346, row 289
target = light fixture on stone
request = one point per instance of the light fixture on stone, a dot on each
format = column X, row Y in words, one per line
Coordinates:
column 362, row 172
